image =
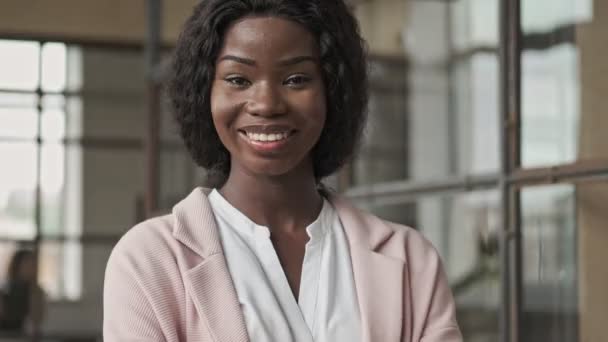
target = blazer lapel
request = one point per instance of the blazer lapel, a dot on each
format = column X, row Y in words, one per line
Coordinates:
column 215, row 299
column 379, row 278
column 209, row 283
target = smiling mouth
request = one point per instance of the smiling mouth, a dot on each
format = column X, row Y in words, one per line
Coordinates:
column 267, row 142
column 267, row 137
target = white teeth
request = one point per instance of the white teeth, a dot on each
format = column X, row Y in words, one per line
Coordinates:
column 267, row 137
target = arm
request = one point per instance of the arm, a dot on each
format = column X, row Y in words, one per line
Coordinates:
column 128, row 312
column 431, row 295
column 441, row 325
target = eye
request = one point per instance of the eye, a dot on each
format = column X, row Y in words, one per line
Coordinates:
column 237, row 81
column 297, row 81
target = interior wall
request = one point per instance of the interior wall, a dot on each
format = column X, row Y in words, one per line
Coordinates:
column 117, row 21
column 114, row 21
column 592, row 215
column 382, row 23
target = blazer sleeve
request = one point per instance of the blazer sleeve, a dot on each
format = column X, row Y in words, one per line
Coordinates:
column 128, row 312
column 431, row 295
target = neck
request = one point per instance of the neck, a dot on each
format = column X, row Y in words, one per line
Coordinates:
column 286, row 203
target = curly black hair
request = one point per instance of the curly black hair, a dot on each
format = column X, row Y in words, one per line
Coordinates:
column 343, row 65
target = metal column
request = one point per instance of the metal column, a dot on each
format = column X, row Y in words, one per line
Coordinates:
column 510, row 130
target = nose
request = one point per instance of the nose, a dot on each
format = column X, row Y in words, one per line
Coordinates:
column 266, row 100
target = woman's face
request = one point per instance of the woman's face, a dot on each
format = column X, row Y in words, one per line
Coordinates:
column 268, row 98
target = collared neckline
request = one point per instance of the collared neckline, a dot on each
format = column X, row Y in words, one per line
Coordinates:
column 221, row 206
column 195, row 224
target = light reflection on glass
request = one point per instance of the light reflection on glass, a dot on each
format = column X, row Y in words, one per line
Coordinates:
column 53, row 67
column 17, row 190
column 546, row 15
column 21, row 123
column 551, row 106
column 19, row 64
column 15, row 100
column 53, row 125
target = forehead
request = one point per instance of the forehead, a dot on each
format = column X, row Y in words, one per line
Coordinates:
column 268, row 37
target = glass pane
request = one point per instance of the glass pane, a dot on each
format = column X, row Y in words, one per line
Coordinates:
column 19, row 64
column 18, row 123
column 546, row 15
column 382, row 158
column 433, row 107
column 480, row 30
column 17, row 190
column 53, row 101
column 53, row 124
column 563, row 82
column 61, row 185
column 464, row 229
column 52, row 181
column 74, row 119
column 74, row 63
column 10, row 100
column 53, row 67
column 60, row 269
column 564, row 250
column 53, row 117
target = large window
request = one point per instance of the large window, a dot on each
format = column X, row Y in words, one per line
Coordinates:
column 73, row 166
column 487, row 134
column 39, row 188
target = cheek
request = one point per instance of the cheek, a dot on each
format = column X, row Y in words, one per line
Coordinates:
column 224, row 110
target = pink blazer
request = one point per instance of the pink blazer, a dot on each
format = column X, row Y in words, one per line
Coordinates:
column 167, row 280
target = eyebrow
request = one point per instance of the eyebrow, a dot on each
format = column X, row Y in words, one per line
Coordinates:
column 237, row 59
column 296, row 60
column 251, row 62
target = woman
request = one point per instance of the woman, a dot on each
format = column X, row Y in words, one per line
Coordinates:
column 270, row 96
column 21, row 300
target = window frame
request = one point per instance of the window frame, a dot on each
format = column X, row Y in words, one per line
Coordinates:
column 511, row 176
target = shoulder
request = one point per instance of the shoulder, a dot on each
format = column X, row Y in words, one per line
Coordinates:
column 408, row 243
column 419, row 254
column 143, row 285
column 146, row 265
column 392, row 239
column 146, row 237
column 145, row 248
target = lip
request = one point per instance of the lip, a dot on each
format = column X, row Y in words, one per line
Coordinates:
column 267, row 146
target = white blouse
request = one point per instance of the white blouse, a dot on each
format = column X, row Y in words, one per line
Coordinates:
column 327, row 308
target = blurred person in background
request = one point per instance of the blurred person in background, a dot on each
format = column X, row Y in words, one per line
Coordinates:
column 22, row 300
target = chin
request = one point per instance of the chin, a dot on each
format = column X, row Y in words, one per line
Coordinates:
column 272, row 171
column 276, row 168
